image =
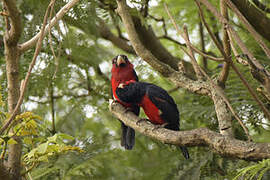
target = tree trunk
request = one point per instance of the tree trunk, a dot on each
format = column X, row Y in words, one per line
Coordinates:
column 12, row 35
column 12, row 56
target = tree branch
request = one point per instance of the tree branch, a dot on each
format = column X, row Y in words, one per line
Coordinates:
column 31, row 43
column 117, row 41
column 223, row 145
column 188, row 43
column 226, row 45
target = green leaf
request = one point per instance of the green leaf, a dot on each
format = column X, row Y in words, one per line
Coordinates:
column 65, row 136
column 28, row 140
column 42, row 148
column 53, row 138
column 12, row 141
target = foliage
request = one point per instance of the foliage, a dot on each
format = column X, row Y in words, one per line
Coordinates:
column 255, row 171
column 37, row 148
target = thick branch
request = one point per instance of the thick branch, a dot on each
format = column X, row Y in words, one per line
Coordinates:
column 117, row 41
column 222, row 145
column 136, row 42
column 255, row 17
column 146, row 37
column 31, row 43
column 14, row 33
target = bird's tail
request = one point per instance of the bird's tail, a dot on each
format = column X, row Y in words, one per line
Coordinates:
column 184, row 151
column 128, row 137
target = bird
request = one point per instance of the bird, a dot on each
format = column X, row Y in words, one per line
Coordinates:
column 157, row 104
column 122, row 71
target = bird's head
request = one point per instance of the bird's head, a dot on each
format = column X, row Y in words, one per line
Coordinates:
column 122, row 68
column 121, row 61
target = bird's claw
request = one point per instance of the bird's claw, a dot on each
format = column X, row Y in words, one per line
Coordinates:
column 159, row 126
column 111, row 102
column 141, row 120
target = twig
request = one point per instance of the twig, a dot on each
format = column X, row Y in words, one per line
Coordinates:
column 190, row 52
column 233, row 32
column 173, row 89
column 226, row 46
column 218, row 59
column 144, row 8
column 213, row 37
column 220, row 92
column 172, row 40
column 237, row 56
column 202, row 43
column 163, row 23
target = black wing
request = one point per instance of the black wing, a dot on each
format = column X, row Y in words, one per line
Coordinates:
column 166, row 104
column 132, row 93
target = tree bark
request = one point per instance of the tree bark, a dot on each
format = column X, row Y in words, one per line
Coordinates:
column 12, row 68
column 12, row 55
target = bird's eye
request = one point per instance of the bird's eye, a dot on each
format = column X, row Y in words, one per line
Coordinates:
column 125, row 58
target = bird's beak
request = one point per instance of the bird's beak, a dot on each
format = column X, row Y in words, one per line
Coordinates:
column 120, row 61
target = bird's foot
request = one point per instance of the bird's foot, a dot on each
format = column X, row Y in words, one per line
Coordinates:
column 159, row 126
column 111, row 102
column 141, row 120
